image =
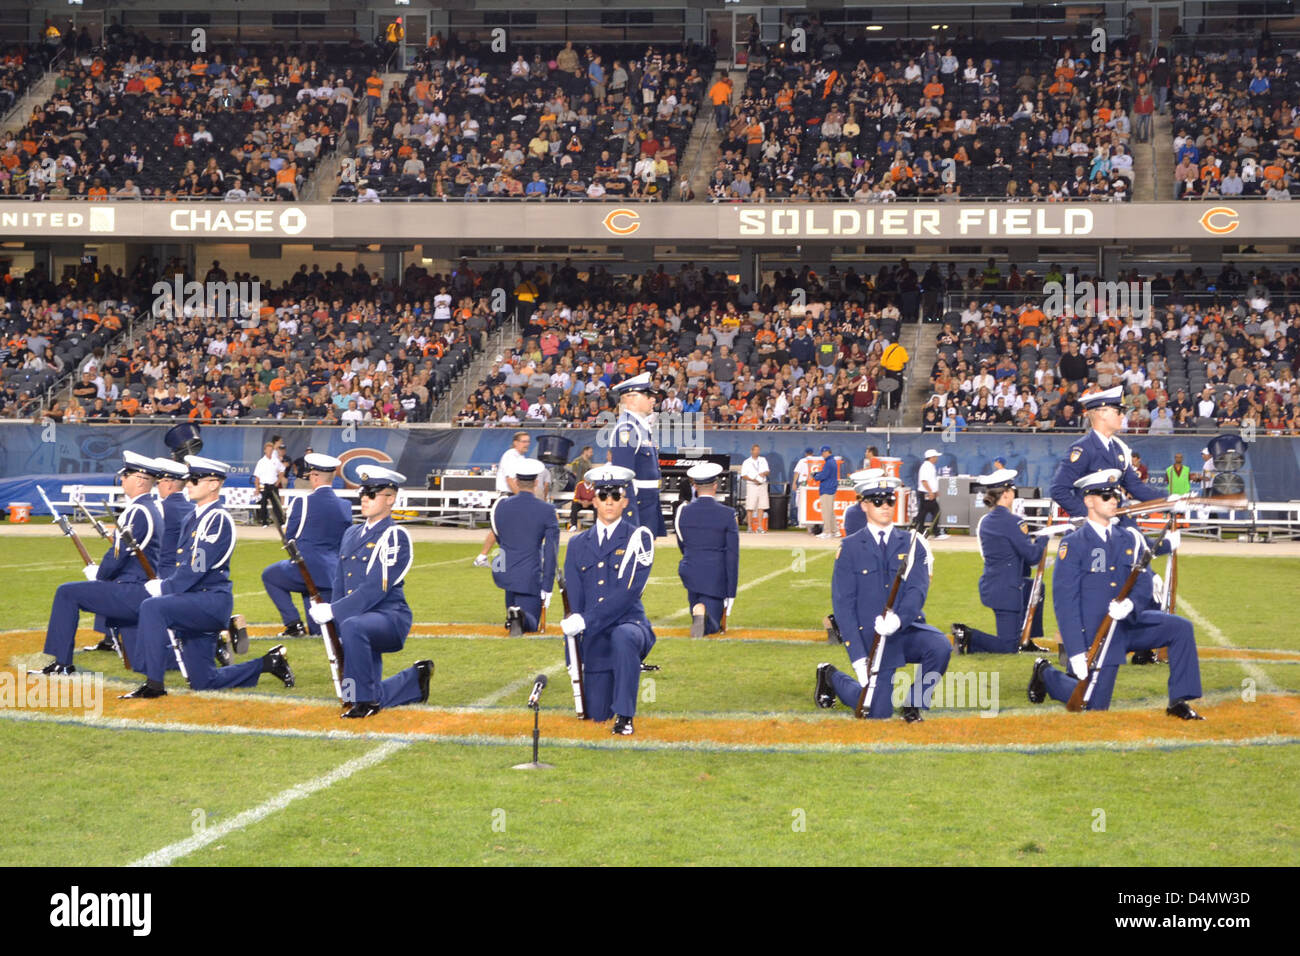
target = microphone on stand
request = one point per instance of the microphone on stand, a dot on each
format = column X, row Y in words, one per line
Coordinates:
column 539, row 684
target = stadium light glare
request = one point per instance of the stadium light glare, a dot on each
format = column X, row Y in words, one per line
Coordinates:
column 874, row 27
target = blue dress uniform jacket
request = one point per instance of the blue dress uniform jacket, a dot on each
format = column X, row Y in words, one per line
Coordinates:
column 633, row 447
column 195, row 604
column 855, row 519
column 1010, row 554
column 860, row 583
column 1089, row 574
column 710, row 544
column 176, row 509
column 118, row 590
column 1087, row 455
column 317, row 522
column 529, row 535
column 371, row 612
column 605, row 583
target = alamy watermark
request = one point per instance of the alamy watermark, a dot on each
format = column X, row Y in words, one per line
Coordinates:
column 219, row 300
column 1072, row 299
column 83, row 690
column 953, row 689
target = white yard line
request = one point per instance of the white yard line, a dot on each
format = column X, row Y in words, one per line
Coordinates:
column 1207, row 626
column 182, row 848
column 809, row 559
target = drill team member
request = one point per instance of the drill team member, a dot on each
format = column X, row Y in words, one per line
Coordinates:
column 194, row 601
column 1010, row 553
column 529, row 535
column 176, row 509
column 606, row 568
column 369, row 603
column 317, row 522
column 864, row 572
column 1092, row 565
column 505, row 482
column 1098, row 450
column 114, row 588
column 634, row 449
column 710, row 544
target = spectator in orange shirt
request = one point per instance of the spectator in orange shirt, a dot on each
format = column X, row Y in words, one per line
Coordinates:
column 933, row 89
column 97, row 191
column 286, row 180
column 720, row 95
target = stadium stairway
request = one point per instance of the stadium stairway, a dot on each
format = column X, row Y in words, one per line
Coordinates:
column 705, row 145
column 324, row 181
column 37, row 95
column 917, row 387
column 495, row 343
column 1162, row 159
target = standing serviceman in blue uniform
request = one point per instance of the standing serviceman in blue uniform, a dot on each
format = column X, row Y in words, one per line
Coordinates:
column 828, row 482
column 1010, row 553
column 369, row 603
column 176, row 509
column 1092, row 565
column 710, row 544
column 317, row 522
column 528, row 534
column 114, row 588
column 194, row 601
column 1096, row 451
column 633, row 447
column 864, row 572
column 606, row 569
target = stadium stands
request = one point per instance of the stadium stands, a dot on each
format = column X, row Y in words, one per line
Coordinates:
column 930, row 122
column 141, row 121
column 587, row 124
column 1196, row 363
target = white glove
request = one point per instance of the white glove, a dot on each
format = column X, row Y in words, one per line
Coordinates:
column 1181, row 503
column 728, row 604
column 154, row 587
column 887, row 624
column 91, row 571
column 1053, row 529
column 546, row 599
column 1079, row 665
column 573, row 624
column 860, row 668
column 1119, row 610
column 321, row 613
column 1175, row 538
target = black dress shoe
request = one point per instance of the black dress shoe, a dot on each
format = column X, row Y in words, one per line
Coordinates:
column 912, row 714
column 145, row 691
column 1038, row 686
column 54, row 667
column 698, row 621
column 832, row 630
column 104, row 645
column 365, row 708
column 1032, row 648
column 224, row 657
column 649, row 668
column 424, row 673
column 1143, row 657
column 515, row 621
column 961, row 640
column 277, row 665
column 296, row 629
column 1183, row 711
column 622, row 726
column 824, row 695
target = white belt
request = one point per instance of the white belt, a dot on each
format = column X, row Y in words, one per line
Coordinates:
column 645, row 485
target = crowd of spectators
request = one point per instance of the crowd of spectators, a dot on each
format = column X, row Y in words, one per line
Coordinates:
column 739, row 357
column 1237, row 127
column 1229, row 357
column 587, row 123
column 140, row 120
column 928, row 120
column 20, row 66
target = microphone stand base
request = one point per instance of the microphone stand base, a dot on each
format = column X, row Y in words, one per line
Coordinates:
column 533, row 765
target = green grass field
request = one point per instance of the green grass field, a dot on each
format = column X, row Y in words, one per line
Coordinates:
column 109, row 796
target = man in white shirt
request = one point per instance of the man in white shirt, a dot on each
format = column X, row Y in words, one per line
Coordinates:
column 266, row 474
column 754, row 472
column 927, row 487
column 506, row 485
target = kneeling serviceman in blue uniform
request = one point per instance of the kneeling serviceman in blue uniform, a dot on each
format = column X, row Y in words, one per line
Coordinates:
column 370, row 605
column 1010, row 553
column 1092, row 565
column 864, row 571
column 710, row 544
column 606, row 569
column 528, row 534
column 317, row 522
column 186, row 610
column 114, row 588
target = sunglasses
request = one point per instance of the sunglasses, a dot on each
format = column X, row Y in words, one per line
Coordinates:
column 880, row 500
column 607, row 493
column 195, row 479
column 371, row 492
column 1110, row 496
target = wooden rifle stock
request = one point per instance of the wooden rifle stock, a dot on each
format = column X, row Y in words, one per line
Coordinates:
column 1035, row 597
column 329, row 630
column 66, row 527
column 1106, row 628
column 577, row 679
column 1231, row 502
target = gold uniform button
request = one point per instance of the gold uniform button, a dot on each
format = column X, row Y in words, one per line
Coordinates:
column 599, row 599
column 601, row 581
column 600, row 564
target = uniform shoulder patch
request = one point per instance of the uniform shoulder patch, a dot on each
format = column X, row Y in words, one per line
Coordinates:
column 1075, row 454
column 1060, row 554
column 1024, row 527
